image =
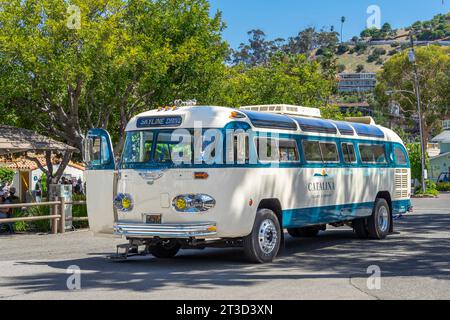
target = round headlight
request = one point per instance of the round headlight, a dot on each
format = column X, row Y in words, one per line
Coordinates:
column 193, row 203
column 123, row 202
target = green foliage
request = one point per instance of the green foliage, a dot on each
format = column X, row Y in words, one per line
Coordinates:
column 291, row 79
column 342, row 48
column 360, row 48
column 415, row 156
column 375, row 55
column 79, row 210
column 435, row 29
column 431, row 190
column 433, row 64
column 6, row 175
column 331, row 112
column 443, row 187
column 386, row 32
column 359, row 68
column 127, row 57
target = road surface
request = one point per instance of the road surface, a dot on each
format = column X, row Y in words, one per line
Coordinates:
column 414, row 264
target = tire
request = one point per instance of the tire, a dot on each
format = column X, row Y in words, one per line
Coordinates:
column 308, row 232
column 360, row 228
column 165, row 250
column 263, row 244
column 379, row 223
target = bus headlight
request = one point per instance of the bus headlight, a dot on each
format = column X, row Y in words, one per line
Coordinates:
column 193, row 203
column 123, row 202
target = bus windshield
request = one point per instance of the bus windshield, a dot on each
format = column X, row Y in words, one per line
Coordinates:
column 155, row 147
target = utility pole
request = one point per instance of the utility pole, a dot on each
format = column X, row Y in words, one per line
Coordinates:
column 412, row 59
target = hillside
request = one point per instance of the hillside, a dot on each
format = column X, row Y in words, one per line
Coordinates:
column 351, row 60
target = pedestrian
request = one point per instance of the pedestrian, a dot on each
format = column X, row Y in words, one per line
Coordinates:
column 5, row 213
column 38, row 190
column 80, row 186
column 12, row 198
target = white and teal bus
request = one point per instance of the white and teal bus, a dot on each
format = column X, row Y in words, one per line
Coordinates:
column 193, row 177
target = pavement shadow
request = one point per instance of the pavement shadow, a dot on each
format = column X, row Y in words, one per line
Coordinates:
column 419, row 248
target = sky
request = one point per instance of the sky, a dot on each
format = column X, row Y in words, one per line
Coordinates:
column 285, row 18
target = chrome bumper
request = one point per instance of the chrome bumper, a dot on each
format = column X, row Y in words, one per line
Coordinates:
column 168, row 231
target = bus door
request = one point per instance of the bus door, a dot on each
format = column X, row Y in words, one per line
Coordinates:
column 101, row 180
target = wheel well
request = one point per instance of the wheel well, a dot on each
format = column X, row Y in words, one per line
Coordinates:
column 275, row 206
column 386, row 196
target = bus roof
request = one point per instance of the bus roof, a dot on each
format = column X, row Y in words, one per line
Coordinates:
column 218, row 117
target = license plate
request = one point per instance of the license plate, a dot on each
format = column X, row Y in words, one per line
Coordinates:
column 153, row 219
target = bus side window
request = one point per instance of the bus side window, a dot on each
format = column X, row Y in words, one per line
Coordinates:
column 312, row 151
column 329, row 152
column 348, row 149
column 241, row 149
column 375, row 154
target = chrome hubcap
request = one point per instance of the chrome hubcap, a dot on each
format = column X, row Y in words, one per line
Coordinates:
column 383, row 219
column 267, row 236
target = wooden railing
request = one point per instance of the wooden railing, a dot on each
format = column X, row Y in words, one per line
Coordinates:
column 57, row 216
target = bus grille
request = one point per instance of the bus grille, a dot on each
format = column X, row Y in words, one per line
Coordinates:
column 401, row 183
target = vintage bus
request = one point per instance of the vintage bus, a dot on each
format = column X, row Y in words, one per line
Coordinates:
column 193, row 177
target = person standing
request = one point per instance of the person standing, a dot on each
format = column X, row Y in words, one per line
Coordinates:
column 38, row 190
column 5, row 213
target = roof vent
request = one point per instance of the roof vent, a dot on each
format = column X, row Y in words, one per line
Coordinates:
column 363, row 120
column 286, row 110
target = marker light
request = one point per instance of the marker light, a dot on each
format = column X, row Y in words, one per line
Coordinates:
column 236, row 115
column 201, row 175
column 123, row 202
column 193, row 203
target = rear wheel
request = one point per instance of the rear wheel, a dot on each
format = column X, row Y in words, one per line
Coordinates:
column 263, row 244
column 308, row 232
column 165, row 250
column 379, row 223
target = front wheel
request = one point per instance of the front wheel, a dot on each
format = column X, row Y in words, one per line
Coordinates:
column 165, row 250
column 263, row 244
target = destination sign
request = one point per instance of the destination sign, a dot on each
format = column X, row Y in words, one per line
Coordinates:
column 158, row 122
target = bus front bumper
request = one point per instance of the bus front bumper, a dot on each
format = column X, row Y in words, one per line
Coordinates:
column 166, row 231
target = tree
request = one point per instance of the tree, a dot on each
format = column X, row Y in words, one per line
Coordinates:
column 291, row 79
column 359, row 68
column 434, row 80
column 126, row 57
column 415, row 157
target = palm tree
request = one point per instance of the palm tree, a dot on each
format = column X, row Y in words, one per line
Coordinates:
column 342, row 25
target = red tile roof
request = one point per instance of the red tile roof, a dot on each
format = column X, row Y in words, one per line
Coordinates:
column 25, row 164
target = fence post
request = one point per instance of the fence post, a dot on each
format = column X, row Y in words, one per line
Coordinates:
column 54, row 222
column 62, row 221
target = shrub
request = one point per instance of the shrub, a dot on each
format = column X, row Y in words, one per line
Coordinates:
column 359, row 68
column 360, row 47
column 443, row 187
column 6, row 175
column 79, row 211
column 431, row 190
column 342, row 48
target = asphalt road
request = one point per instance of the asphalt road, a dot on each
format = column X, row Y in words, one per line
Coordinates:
column 414, row 264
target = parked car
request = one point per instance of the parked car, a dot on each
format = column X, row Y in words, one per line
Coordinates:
column 444, row 177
